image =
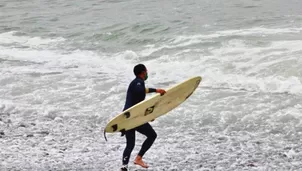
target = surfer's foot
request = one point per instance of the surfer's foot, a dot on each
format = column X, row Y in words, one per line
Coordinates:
column 124, row 168
column 138, row 160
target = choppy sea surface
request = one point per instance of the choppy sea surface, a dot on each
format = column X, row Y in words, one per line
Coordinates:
column 65, row 67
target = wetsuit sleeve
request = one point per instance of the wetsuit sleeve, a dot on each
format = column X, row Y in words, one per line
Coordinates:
column 150, row 90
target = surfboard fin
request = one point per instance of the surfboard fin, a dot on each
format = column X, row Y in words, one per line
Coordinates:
column 123, row 132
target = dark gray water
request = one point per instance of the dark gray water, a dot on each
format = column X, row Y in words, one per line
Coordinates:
column 65, row 67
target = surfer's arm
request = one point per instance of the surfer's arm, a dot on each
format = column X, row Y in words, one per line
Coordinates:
column 150, row 90
column 153, row 90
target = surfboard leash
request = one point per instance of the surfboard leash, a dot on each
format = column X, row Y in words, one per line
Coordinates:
column 105, row 135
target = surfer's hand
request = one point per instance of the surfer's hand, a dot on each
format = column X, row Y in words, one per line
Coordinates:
column 161, row 91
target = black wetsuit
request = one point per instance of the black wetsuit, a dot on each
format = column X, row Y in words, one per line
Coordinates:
column 136, row 93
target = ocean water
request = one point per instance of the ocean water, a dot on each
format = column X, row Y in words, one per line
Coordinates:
column 65, row 67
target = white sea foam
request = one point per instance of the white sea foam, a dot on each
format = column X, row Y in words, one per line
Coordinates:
column 33, row 42
column 54, row 105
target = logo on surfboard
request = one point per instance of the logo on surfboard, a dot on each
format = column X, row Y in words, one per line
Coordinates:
column 149, row 110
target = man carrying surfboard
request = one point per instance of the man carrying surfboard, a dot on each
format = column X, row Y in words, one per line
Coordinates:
column 136, row 93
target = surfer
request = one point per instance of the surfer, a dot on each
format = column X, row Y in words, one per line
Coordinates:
column 136, row 93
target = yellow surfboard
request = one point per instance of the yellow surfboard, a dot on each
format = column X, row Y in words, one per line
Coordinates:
column 152, row 108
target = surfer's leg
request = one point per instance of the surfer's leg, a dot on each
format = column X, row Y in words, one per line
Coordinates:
column 148, row 131
column 130, row 140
